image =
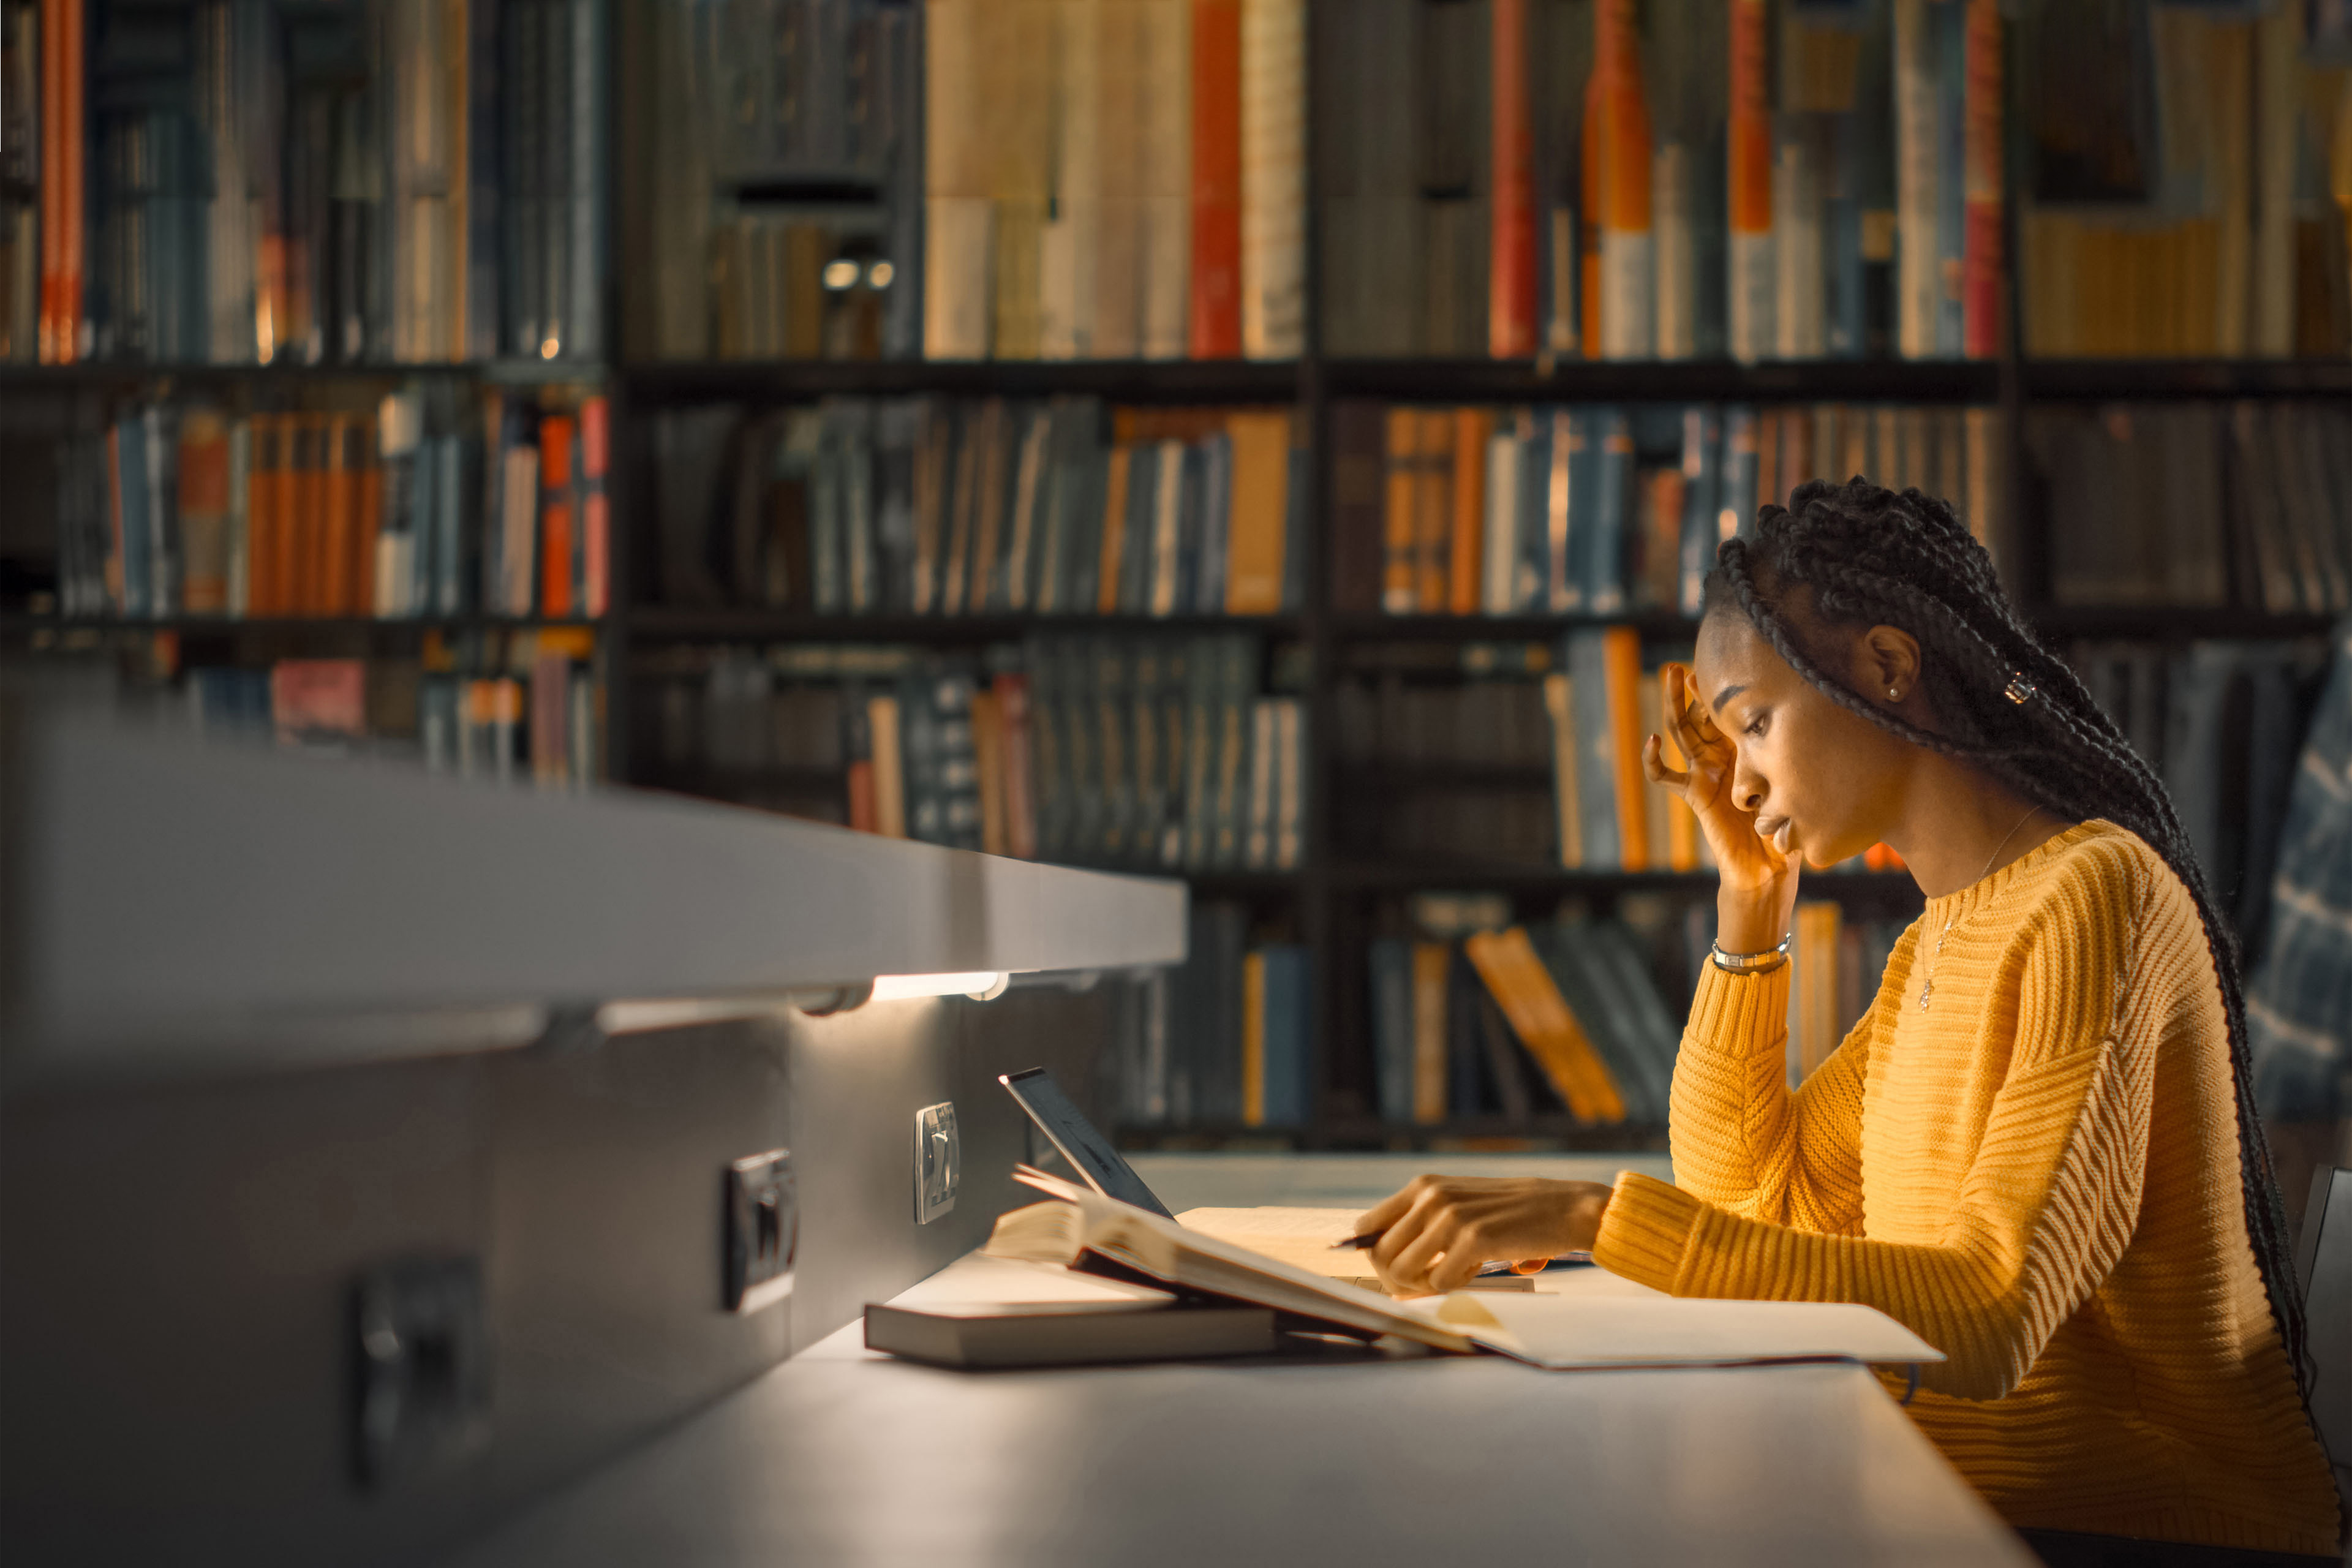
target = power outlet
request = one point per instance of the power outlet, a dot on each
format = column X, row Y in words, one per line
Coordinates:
column 421, row 1367
column 761, row 1225
column 939, row 1161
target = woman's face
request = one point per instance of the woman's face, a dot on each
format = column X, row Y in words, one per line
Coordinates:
column 1820, row 781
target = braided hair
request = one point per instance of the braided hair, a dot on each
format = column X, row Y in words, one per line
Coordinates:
column 2007, row 705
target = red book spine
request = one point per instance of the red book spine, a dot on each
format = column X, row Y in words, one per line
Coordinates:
column 75, row 127
column 1980, row 263
column 1511, row 289
column 555, row 517
column 596, row 504
column 1216, row 302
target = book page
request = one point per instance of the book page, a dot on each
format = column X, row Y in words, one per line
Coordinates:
column 1303, row 1238
column 1568, row 1331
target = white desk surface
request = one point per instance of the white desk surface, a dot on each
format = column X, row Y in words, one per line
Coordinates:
column 841, row 1455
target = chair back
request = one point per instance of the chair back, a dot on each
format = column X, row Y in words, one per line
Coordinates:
column 2323, row 1269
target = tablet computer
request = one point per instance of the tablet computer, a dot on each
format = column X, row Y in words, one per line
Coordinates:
column 1081, row 1142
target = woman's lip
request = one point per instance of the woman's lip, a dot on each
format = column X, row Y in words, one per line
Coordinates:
column 1775, row 830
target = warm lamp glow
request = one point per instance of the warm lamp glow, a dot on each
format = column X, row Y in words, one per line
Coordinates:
column 981, row 983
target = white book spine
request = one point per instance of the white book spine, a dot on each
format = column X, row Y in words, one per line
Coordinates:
column 1501, row 559
column 1917, row 168
column 1257, row 851
column 1677, row 262
column 959, row 219
column 1629, row 275
column 1165, row 245
column 1067, row 252
column 1290, row 823
column 1274, row 158
column 1751, row 265
column 1166, row 506
column 1800, row 331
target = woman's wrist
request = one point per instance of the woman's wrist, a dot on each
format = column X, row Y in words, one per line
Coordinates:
column 1753, row 920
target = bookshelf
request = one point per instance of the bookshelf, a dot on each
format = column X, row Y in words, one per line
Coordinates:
column 1322, row 902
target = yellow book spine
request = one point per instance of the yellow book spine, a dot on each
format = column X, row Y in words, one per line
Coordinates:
column 1254, row 1040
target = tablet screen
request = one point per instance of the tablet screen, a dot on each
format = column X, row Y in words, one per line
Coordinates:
column 1081, row 1143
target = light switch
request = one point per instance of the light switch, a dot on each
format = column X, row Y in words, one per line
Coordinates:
column 760, row 1211
column 939, row 1161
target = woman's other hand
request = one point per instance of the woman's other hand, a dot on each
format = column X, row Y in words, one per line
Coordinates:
column 1438, row 1231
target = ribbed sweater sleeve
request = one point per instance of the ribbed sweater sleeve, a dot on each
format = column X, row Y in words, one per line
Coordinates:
column 1741, row 1139
column 2041, row 1214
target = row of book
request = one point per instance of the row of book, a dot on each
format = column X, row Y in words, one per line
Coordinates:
column 417, row 508
column 1158, row 754
column 1225, row 1039
column 543, row 726
column 1688, row 178
column 1516, row 1022
column 2196, row 504
column 1610, row 510
column 935, row 506
column 242, row 182
column 1114, row 179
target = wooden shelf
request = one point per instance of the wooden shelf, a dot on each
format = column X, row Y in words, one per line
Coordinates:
column 1138, row 381
column 105, row 374
column 1361, row 626
column 2172, row 623
column 672, row 625
column 2105, row 379
column 1660, row 381
column 223, row 625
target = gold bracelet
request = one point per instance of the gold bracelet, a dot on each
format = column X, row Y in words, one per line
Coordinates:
column 1763, row 962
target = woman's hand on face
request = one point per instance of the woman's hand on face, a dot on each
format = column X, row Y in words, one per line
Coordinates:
column 1438, row 1230
column 1746, row 861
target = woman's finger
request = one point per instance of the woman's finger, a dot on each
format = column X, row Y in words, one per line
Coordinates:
column 1409, row 1266
column 1654, row 766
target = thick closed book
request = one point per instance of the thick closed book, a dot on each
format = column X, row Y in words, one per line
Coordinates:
column 1064, row 1333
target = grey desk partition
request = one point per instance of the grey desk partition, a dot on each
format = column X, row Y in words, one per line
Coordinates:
column 245, row 1005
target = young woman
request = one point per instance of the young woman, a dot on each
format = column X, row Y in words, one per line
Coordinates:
column 2038, row 1149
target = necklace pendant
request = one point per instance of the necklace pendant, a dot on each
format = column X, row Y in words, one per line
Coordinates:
column 1926, row 989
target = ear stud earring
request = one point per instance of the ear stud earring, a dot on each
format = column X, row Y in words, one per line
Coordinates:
column 1893, row 695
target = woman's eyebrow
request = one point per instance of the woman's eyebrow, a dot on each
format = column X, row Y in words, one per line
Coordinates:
column 1726, row 695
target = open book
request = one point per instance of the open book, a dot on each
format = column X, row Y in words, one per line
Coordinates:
column 1082, row 1229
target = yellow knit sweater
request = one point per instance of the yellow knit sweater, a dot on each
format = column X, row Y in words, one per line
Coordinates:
column 2038, row 1175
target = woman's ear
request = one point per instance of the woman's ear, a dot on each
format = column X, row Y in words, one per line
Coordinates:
column 1886, row 666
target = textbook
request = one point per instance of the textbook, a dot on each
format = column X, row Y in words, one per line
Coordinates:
column 1084, row 1230
column 1065, row 1333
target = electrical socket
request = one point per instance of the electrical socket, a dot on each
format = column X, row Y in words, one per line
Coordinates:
column 760, row 1222
column 421, row 1367
column 939, row 1161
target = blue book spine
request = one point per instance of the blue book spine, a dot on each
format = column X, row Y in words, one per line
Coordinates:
column 1287, row 1031
column 1529, row 591
column 449, row 563
column 130, row 501
column 1842, row 312
column 1208, row 596
column 1604, row 585
column 1573, row 525
column 1701, row 503
column 1192, row 530
column 1739, row 472
column 1596, row 771
column 420, row 499
column 1136, row 550
column 1948, row 37
column 1392, row 972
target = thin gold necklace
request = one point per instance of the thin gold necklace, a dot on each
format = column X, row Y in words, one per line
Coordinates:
column 1928, row 981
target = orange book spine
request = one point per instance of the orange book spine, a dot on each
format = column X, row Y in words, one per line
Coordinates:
column 53, row 184
column 297, row 514
column 1539, row 1016
column 1396, row 594
column 339, row 530
column 1430, row 962
column 1433, row 510
column 595, row 502
column 1511, row 291
column 1473, row 428
column 261, row 518
column 1628, row 264
column 1114, row 530
column 1982, row 260
column 1215, row 329
column 1020, row 792
column 367, row 487
column 555, row 522
column 1621, row 653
